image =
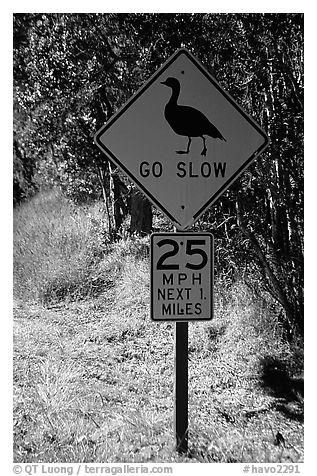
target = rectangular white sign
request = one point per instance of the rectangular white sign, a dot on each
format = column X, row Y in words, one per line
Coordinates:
column 181, row 276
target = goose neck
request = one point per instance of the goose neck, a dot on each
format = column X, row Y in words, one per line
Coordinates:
column 174, row 96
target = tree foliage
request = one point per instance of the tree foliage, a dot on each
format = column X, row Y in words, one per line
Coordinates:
column 73, row 71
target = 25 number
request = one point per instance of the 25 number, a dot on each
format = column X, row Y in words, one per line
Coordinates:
column 190, row 251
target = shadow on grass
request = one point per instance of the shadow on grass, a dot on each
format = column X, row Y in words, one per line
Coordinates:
column 276, row 380
column 215, row 333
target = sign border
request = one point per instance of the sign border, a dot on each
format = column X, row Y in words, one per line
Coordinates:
column 180, row 234
column 134, row 97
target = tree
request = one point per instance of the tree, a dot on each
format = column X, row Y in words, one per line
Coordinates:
column 68, row 82
column 265, row 76
column 73, row 71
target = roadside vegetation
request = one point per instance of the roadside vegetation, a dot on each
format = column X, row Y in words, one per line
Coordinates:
column 72, row 72
column 93, row 376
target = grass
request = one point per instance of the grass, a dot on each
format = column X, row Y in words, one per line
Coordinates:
column 93, row 375
column 54, row 249
column 63, row 252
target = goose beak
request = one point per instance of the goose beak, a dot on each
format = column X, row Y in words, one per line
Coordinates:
column 163, row 82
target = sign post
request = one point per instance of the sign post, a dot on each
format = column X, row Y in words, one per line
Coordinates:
column 181, row 291
column 181, row 387
column 183, row 140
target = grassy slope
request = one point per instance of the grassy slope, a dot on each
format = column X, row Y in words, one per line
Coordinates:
column 94, row 377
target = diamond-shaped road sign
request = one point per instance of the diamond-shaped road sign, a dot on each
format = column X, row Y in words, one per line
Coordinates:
column 182, row 139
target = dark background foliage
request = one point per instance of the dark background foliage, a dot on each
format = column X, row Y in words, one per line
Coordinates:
column 73, row 71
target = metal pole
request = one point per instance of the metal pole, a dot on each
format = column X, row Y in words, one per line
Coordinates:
column 181, row 386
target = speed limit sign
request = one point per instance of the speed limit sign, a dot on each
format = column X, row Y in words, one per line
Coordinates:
column 181, row 276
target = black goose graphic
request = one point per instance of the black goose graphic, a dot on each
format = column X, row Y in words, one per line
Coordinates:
column 186, row 120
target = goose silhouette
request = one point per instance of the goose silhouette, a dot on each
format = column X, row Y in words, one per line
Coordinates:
column 186, row 120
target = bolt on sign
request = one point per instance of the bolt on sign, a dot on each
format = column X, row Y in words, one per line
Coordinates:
column 182, row 139
column 181, row 276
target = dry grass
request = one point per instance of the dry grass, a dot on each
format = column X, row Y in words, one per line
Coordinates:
column 93, row 378
column 94, row 382
column 56, row 247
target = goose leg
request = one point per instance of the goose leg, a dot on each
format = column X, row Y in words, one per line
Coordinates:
column 205, row 148
column 187, row 150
